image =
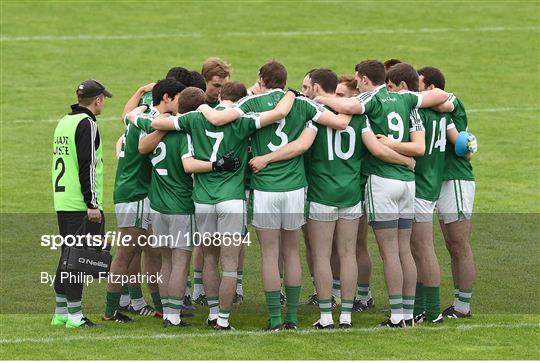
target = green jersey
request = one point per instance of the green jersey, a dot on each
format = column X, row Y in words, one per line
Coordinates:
column 457, row 167
column 429, row 167
column 389, row 114
column 212, row 104
column 134, row 170
column 146, row 99
column 283, row 175
column 211, row 142
column 171, row 187
column 334, row 164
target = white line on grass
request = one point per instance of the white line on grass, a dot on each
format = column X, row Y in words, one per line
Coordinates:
column 252, row 333
column 80, row 37
column 117, row 118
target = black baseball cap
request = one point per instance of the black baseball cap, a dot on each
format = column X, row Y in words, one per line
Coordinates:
column 91, row 88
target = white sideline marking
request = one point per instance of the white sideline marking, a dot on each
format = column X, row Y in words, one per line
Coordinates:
column 265, row 34
column 118, row 118
column 252, row 333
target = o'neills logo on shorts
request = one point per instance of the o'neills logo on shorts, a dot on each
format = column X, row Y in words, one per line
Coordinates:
column 88, row 261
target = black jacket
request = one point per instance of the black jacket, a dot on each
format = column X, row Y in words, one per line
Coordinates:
column 87, row 141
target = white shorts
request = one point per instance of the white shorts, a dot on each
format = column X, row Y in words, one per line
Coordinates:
column 224, row 217
column 278, row 210
column 456, row 200
column 424, row 210
column 321, row 212
column 169, row 230
column 134, row 214
column 389, row 202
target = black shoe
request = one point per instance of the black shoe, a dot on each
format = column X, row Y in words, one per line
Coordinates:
column 313, row 300
column 219, row 327
column 270, row 328
column 125, row 309
column 454, row 314
column 146, row 310
column 238, row 299
column 388, row 324
column 345, row 325
column 187, row 304
column 282, row 299
column 290, row 325
column 118, row 317
column 420, row 318
column 448, row 310
column 319, row 326
column 438, row 320
column 211, row 323
column 201, row 300
column 409, row 323
column 167, row 324
column 358, row 305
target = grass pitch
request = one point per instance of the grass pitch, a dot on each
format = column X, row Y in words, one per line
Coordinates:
column 489, row 52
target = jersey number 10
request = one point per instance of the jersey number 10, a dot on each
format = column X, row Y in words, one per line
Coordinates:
column 335, row 146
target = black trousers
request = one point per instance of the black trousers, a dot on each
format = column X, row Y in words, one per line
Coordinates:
column 70, row 223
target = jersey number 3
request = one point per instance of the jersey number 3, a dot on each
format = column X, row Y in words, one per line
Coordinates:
column 283, row 137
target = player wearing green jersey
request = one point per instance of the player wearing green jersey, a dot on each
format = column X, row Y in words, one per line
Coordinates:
column 219, row 198
column 132, row 187
column 455, row 205
column 390, row 188
column 333, row 194
column 438, row 127
column 215, row 72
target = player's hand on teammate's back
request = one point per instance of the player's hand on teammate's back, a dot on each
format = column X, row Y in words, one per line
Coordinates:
column 94, row 215
column 226, row 163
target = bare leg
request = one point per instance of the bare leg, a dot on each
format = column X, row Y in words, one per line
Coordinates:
column 320, row 238
column 345, row 235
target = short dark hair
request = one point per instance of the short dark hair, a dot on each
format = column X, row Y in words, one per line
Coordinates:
column 390, row 63
column 432, row 76
column 373, row 70
column 167, row 86
column 273, row 74
column 233, row 91
column 181, row 74
column 197, row 80
column 308, row 73
column 326, row 78
column 190, row 99
column 404, row 72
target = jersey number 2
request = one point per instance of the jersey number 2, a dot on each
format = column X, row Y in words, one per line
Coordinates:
column 57, row 187
column 162, row 153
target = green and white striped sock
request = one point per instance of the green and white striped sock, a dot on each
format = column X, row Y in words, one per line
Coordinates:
column 364, row 293
column 175, row 304
column 166, row 307
column 239, row 280
column 213, row 305
column 61, row 305
column 124, row 298
column 456, row 295
column 325, row 307
column 223, row 317
column 463, row 304
column 408, row 307
column 336, row 287
column 198, row 288
column 396, row 308
column 74, row 311
column 346, row 309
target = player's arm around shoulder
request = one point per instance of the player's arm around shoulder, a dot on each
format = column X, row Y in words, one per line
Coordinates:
column 135, row 99
column 166, row 122
column 149, row 142
column 289, row 151
column 220, row 118
column 279, row 112
column 383, row 152
column 349, row 106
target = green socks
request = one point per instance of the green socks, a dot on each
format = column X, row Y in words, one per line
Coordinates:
column 157, row 301
column 420, row 299
column 433, row 302
column 274, row 307
column 113, row 302
column 293, row 299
